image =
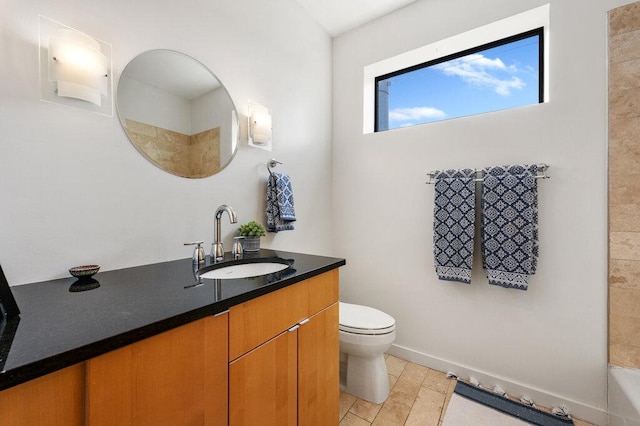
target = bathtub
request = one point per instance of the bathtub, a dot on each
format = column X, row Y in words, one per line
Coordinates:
column 624, row 397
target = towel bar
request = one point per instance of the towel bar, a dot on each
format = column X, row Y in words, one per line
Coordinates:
column 542, row 174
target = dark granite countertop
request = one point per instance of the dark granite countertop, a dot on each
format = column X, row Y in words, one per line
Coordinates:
column 58, row 327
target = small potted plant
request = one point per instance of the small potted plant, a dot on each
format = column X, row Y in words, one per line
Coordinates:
column 251, row 232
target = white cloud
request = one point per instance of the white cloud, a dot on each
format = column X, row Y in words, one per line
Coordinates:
column 417, row 113
column 478, row 70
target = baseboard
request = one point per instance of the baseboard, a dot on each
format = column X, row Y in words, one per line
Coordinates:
column 579, row 410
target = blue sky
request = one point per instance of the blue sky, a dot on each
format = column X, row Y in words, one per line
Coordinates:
column 499, row 78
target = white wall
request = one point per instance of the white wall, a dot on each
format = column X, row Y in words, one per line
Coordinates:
column 550, row 340
column 147, row 104
column 212, row 110
column 76, row 191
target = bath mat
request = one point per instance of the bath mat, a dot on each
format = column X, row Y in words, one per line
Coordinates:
column 470, row 405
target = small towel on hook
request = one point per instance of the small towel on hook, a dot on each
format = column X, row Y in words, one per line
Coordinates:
column 454, row 224
column 280, row 209
column 510, row 224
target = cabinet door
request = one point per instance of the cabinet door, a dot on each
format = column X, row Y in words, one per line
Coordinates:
column 177, row 377
column 263, row 384
column 318, row 369
column 54, row 399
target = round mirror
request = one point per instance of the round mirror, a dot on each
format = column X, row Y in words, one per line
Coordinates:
column 177, row 114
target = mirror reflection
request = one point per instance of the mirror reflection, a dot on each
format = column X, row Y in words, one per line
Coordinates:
column 177, row 114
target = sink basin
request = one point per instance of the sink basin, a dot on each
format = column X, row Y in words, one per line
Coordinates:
column 243, row 270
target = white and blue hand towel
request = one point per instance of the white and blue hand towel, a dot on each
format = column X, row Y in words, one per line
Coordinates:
column 280, row 209
column 453, row 224
column 510, row 224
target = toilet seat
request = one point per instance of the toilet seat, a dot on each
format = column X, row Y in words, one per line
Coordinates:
column 357, row 319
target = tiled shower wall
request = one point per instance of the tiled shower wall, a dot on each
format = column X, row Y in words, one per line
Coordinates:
column 624, row 186
column 183, row 155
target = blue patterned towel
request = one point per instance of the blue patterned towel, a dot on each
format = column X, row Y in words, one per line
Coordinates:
column 280, row 210
column 510, row 224
column 453, row 224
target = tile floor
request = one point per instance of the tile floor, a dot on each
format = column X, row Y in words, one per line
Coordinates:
column 418, row 396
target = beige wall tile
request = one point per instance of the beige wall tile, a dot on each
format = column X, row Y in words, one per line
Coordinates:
column 624, row 330
column 624, row 218
column 624, row 189
column 624, row 129
column 624, row 245
column 142, row 128
column 624, row 273
column 624, row 19
column 624, row 75
column 142, row 141
column 172, row 141
column 624, row 156
column 624, row 46
column 624, row 356
column 205, row 152
column 206, row 136
column 624, row 103
column 184, row 155
column 625, row 302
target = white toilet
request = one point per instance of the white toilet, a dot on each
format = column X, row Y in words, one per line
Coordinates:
column 365, row 335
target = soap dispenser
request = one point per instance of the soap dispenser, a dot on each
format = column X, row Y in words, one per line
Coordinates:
column 198, row 252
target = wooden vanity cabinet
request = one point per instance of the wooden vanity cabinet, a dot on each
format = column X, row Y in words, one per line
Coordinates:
column 176, row 377
column 284, row 356
column 272, row 360
column 54, row 399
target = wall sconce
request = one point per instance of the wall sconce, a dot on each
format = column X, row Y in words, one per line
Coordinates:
column 75, row 69
column 78, row 66
column 259, row 127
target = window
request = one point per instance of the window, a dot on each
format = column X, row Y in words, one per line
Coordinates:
column 504, row 74
column 500, row 65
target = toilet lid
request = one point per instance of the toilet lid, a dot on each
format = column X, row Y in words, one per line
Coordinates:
column 364, row 319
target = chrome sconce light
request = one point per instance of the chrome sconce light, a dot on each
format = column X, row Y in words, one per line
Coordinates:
column 259, row 126
column 75, row 69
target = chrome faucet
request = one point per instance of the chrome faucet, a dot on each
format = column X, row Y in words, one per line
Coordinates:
column 217, row 251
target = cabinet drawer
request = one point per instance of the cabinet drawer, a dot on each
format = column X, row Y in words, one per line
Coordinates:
column 254, row 322
column 323, row 291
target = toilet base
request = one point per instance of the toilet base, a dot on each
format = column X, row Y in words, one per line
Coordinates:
column 366, row 377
